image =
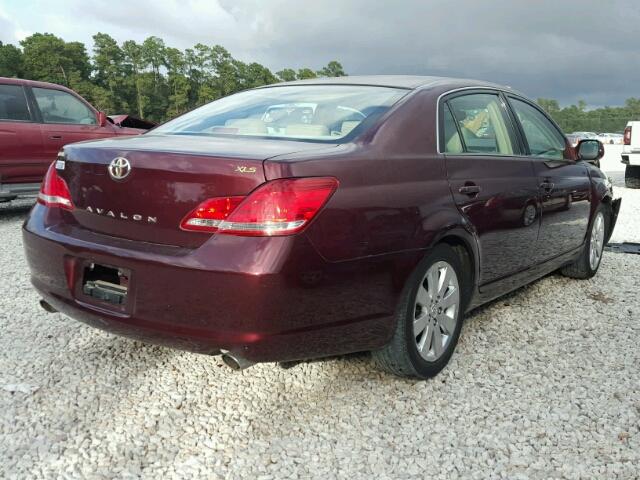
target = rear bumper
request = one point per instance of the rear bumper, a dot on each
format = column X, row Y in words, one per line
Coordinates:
column 9, row 191
column 631, row 158
column 266, row 299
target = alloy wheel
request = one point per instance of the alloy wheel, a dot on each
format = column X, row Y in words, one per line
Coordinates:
column 436, row 310
column 597, row 241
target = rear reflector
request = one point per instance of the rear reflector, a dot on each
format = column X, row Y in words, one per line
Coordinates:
column 54, row 191
column 627, row 136
column 279, row 207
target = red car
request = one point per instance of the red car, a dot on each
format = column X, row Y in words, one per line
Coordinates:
column 318, row 218
column 36, row 120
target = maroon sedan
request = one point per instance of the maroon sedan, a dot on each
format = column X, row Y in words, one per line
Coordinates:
column 319, row 218
column 36, row 120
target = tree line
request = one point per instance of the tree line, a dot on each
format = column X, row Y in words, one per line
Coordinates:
column 154, row 81
column 576, row 118
column 149, row 80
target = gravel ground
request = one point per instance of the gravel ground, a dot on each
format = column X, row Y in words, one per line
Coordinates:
column 545, row 383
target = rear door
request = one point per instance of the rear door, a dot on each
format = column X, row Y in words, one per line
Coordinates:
column 565, row 185
column 21, row 158
column 66, row 119
column 492, row 184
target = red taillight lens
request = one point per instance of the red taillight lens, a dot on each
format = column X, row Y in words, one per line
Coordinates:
column 279, row 207
column 627, row 136
column 54, row 191
column 210, row 214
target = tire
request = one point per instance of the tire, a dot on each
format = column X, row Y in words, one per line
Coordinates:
column 632, row 176
column 584, row 267
column 402, row 356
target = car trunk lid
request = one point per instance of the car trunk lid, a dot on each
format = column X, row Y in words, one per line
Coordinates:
column 168, row 176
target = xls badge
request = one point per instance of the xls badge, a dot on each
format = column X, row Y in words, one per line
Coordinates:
column 243, row 169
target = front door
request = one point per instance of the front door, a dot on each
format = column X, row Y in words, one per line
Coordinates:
column 493, row 186
column 66, row 119
column 565, row 186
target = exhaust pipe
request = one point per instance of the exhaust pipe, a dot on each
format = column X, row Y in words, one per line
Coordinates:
column 46, row 307
column 235, row 362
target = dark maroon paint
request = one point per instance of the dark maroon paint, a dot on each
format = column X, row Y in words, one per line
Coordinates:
column 332, row 289
column 28, row 147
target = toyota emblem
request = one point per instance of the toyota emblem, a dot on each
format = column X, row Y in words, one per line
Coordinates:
column 119, row 168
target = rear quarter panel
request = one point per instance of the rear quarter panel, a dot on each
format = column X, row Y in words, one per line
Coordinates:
column 393, row 195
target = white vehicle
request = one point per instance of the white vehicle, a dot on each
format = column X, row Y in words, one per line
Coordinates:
column 610, row 138
column 631, row 154
column 586, row 135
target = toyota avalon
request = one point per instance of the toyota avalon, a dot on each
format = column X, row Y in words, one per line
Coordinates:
column 318, row 218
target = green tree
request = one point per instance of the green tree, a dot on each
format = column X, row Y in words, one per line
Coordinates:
column 253, row 75
column 305, row 73
column 552, row 107
column 287, row 74
column 10, row 61
column 109, row 75
column 178, row 82
column 333, row 69
column 150, row 80
column 49, row 58
column 154, row 84
column 134, row 64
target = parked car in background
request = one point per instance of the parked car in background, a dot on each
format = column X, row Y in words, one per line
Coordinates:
column 631, row 154
column 610, row 138
column 361, row 213
column 130, row 121
column 586, row 135
column 36, row 120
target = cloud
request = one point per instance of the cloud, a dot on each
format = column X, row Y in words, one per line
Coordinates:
column 8, row 28
column 569, row 50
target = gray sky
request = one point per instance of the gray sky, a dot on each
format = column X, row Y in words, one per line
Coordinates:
column 563, row 49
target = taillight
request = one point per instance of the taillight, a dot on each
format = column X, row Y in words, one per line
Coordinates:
column 278, row 207
column 210, row 214
column 54, row 191
column 627, row 136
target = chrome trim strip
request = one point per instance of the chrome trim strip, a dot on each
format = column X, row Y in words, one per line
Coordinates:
column 54, row 199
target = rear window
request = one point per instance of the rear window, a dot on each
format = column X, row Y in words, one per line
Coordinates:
column 13, row 103
column 324, row 113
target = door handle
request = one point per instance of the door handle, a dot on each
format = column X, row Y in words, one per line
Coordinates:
column 56, row 137
column 547, row 186
column 469, row 190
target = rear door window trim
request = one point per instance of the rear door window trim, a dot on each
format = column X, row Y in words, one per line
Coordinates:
column 509, row 121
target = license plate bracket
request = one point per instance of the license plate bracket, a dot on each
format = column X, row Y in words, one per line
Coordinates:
column 106, row 283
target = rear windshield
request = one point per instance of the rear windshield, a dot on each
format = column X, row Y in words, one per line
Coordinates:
column 323, row 113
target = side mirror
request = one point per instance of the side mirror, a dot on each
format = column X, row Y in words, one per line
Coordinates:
column 102, row 119
column 590, row 150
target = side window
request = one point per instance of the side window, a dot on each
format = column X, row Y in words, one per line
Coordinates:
column 57, row 106
column 483, row 123
column 543, row 137
column 452, row 142
column 13, row 103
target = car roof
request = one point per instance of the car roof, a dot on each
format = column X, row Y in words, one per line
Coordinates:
column 410, row 82
column 31, row 83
